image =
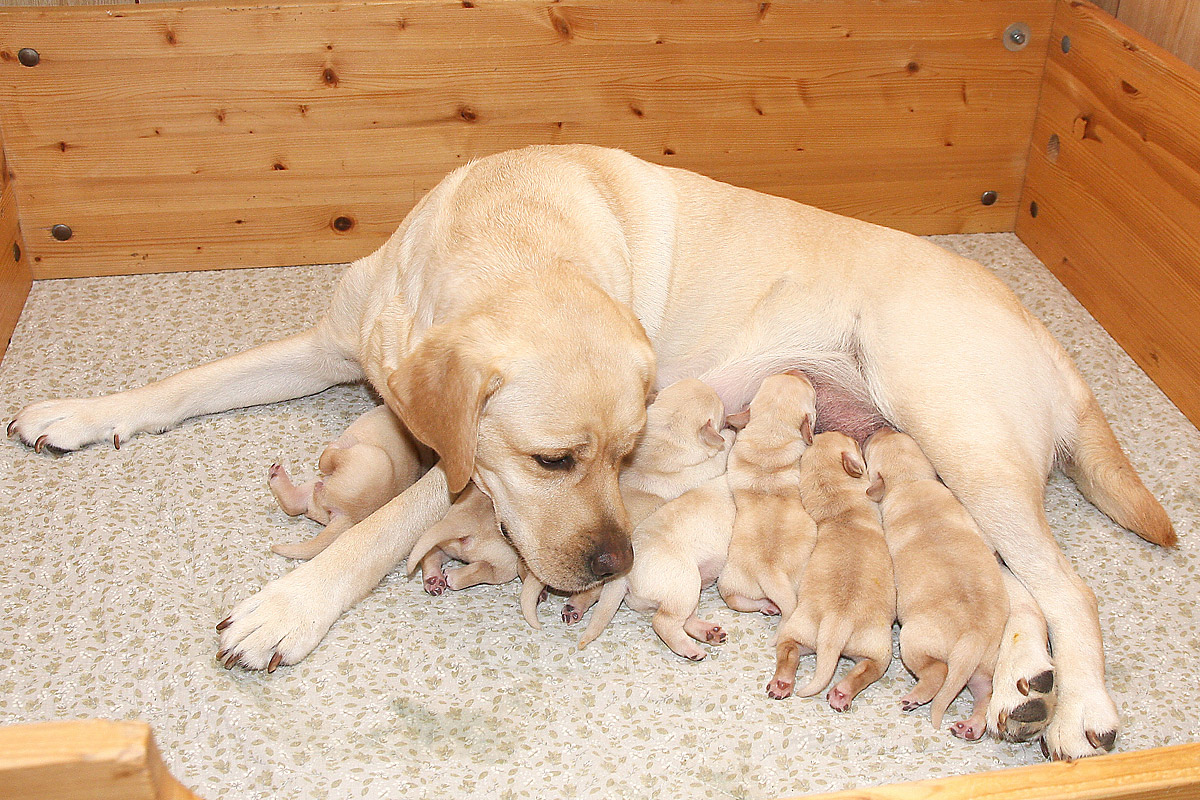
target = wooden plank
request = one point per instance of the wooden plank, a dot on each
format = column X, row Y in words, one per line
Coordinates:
column 1172, row 24
column 289, row 117
column 84, row 760
column 1164, row 773
column 15, row 278
column 1118, row 200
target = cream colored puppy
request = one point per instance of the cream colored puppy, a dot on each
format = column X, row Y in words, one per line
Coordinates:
column 683, row 445
column 847, row 597
column 368, row 465
column 772, row 533
column 467, row 533
column 950, row 596
column 522, row 311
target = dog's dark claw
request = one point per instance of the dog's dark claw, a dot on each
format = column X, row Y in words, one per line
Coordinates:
column 275, row 661
column 221, row 655
column 225, row 623
column 1045, row 748
column 233, row 659
column 40, row 443
column 12, row 426
column 1104, row 741
column 1023, row 687
column 117, row 441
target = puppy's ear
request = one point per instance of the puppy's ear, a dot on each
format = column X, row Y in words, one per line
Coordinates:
column 853, row 464
column 877, row 489
column 806, row 429
column 711, row 436
column 441, row 389
column 738, row 421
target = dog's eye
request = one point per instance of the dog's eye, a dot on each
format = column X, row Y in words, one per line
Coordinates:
column 559, row 462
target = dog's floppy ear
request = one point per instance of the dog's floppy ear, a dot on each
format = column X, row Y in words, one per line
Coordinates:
column 710, row 436
column 441, row 389
column 738, row 421
column 853, row 464
column 806, row 429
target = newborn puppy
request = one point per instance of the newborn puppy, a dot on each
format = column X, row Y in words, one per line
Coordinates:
column 772, row 533
column 951, row 599
column 847, row 596
column 467, row 533
column 365, row 467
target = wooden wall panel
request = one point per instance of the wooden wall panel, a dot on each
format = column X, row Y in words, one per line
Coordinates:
column 1173, row 24
column 204, row 135
column 1118, row 199
column 15, row 278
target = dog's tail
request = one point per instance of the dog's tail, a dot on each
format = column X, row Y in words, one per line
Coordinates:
column 306, row 550
column 777, row 585
column 1101, row 470
column 960, row 666
column 832, row 637
column 430, row 539
column 606, row 608
column 531, row 595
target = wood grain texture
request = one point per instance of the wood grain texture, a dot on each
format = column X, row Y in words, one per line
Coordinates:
column 84, row 760
column 1119, row 202
column 1172, row 24
column 15, row 278
column 248, row 131
column 1165, row 773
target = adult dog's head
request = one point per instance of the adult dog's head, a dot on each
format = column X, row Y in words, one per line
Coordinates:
column 538, row 395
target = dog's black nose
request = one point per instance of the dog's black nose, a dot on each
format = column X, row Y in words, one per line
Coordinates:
column 608, row 562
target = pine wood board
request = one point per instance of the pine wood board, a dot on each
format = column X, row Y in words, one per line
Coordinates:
column 295, row 115
column 15, row 277
column 1119, row 203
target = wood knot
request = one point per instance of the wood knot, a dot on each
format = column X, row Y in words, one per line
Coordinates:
column 667, row 151
column 1128, row 88
column 330, row 77
column 637, row 112
column 912, row 67
column 559, row 21
column 467, row 114
column 342, row 224
column 170, row 36
column 279, row 165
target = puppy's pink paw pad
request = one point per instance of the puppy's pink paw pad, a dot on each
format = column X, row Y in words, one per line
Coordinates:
column 838, row 700
column 571, row 615
column 777, row 689
column 967, row 730
column 435, row 585
column 771, row 610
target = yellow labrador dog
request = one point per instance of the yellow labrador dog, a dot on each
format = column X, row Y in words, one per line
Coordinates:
column 520, row 314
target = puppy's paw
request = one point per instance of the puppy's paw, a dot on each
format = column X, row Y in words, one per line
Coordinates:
column 770, row 609
column 571, row 614
column 435, row 585
column 65, row 425
column 715, row 635
column 1081, row 728
column 779, row 688
column 281, row 624
column 838, row 699
column 970, row 730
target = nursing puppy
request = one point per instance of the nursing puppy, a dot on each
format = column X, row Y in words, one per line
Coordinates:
column 772, row 533
column 467, row 533
column 467, row 323
column 683, row 445
column 950, row 597
column 847, row 597
column 364, row 468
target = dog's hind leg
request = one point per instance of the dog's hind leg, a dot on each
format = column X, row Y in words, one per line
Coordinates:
column 865, row 672
column 931, row 674
column 299, row 365
column 294, row 500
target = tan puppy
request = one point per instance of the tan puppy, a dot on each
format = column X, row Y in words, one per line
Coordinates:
column 847, row 597
column 950, row 597
column 772, row 533
column 683, row 445
column 364, row 468
column 467, row 321
column 467, row 533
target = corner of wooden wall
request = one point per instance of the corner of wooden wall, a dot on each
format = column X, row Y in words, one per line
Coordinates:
column 15, row 275
column 1111, row 199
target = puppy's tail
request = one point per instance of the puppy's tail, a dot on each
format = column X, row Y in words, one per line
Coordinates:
column 960, row 666
column 531, row 593
column 832, row 637
column 777, row 585
column 1099, row 467
column 606, row 608
column 306, row 550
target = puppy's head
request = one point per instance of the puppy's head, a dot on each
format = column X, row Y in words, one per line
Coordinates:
column 540, row 411
column 784, row 406
column 832, row 473
column 683, row 430
column 894, row 458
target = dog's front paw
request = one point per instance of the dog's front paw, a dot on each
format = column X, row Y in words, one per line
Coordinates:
column 1080, row 729
column 279, row 625
column 1023, row 690
column 64, row 425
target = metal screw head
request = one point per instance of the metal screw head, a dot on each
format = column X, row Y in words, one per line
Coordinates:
column 989, row 197
column 28, row 56
column 1016, row 36
column 62, row 232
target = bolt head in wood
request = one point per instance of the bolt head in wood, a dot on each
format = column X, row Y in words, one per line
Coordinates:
column 62, row 232
column 989, row 197
column 1016, row 36
column 28, row 56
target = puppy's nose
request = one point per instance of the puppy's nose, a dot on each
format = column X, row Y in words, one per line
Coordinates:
column 610, row 561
